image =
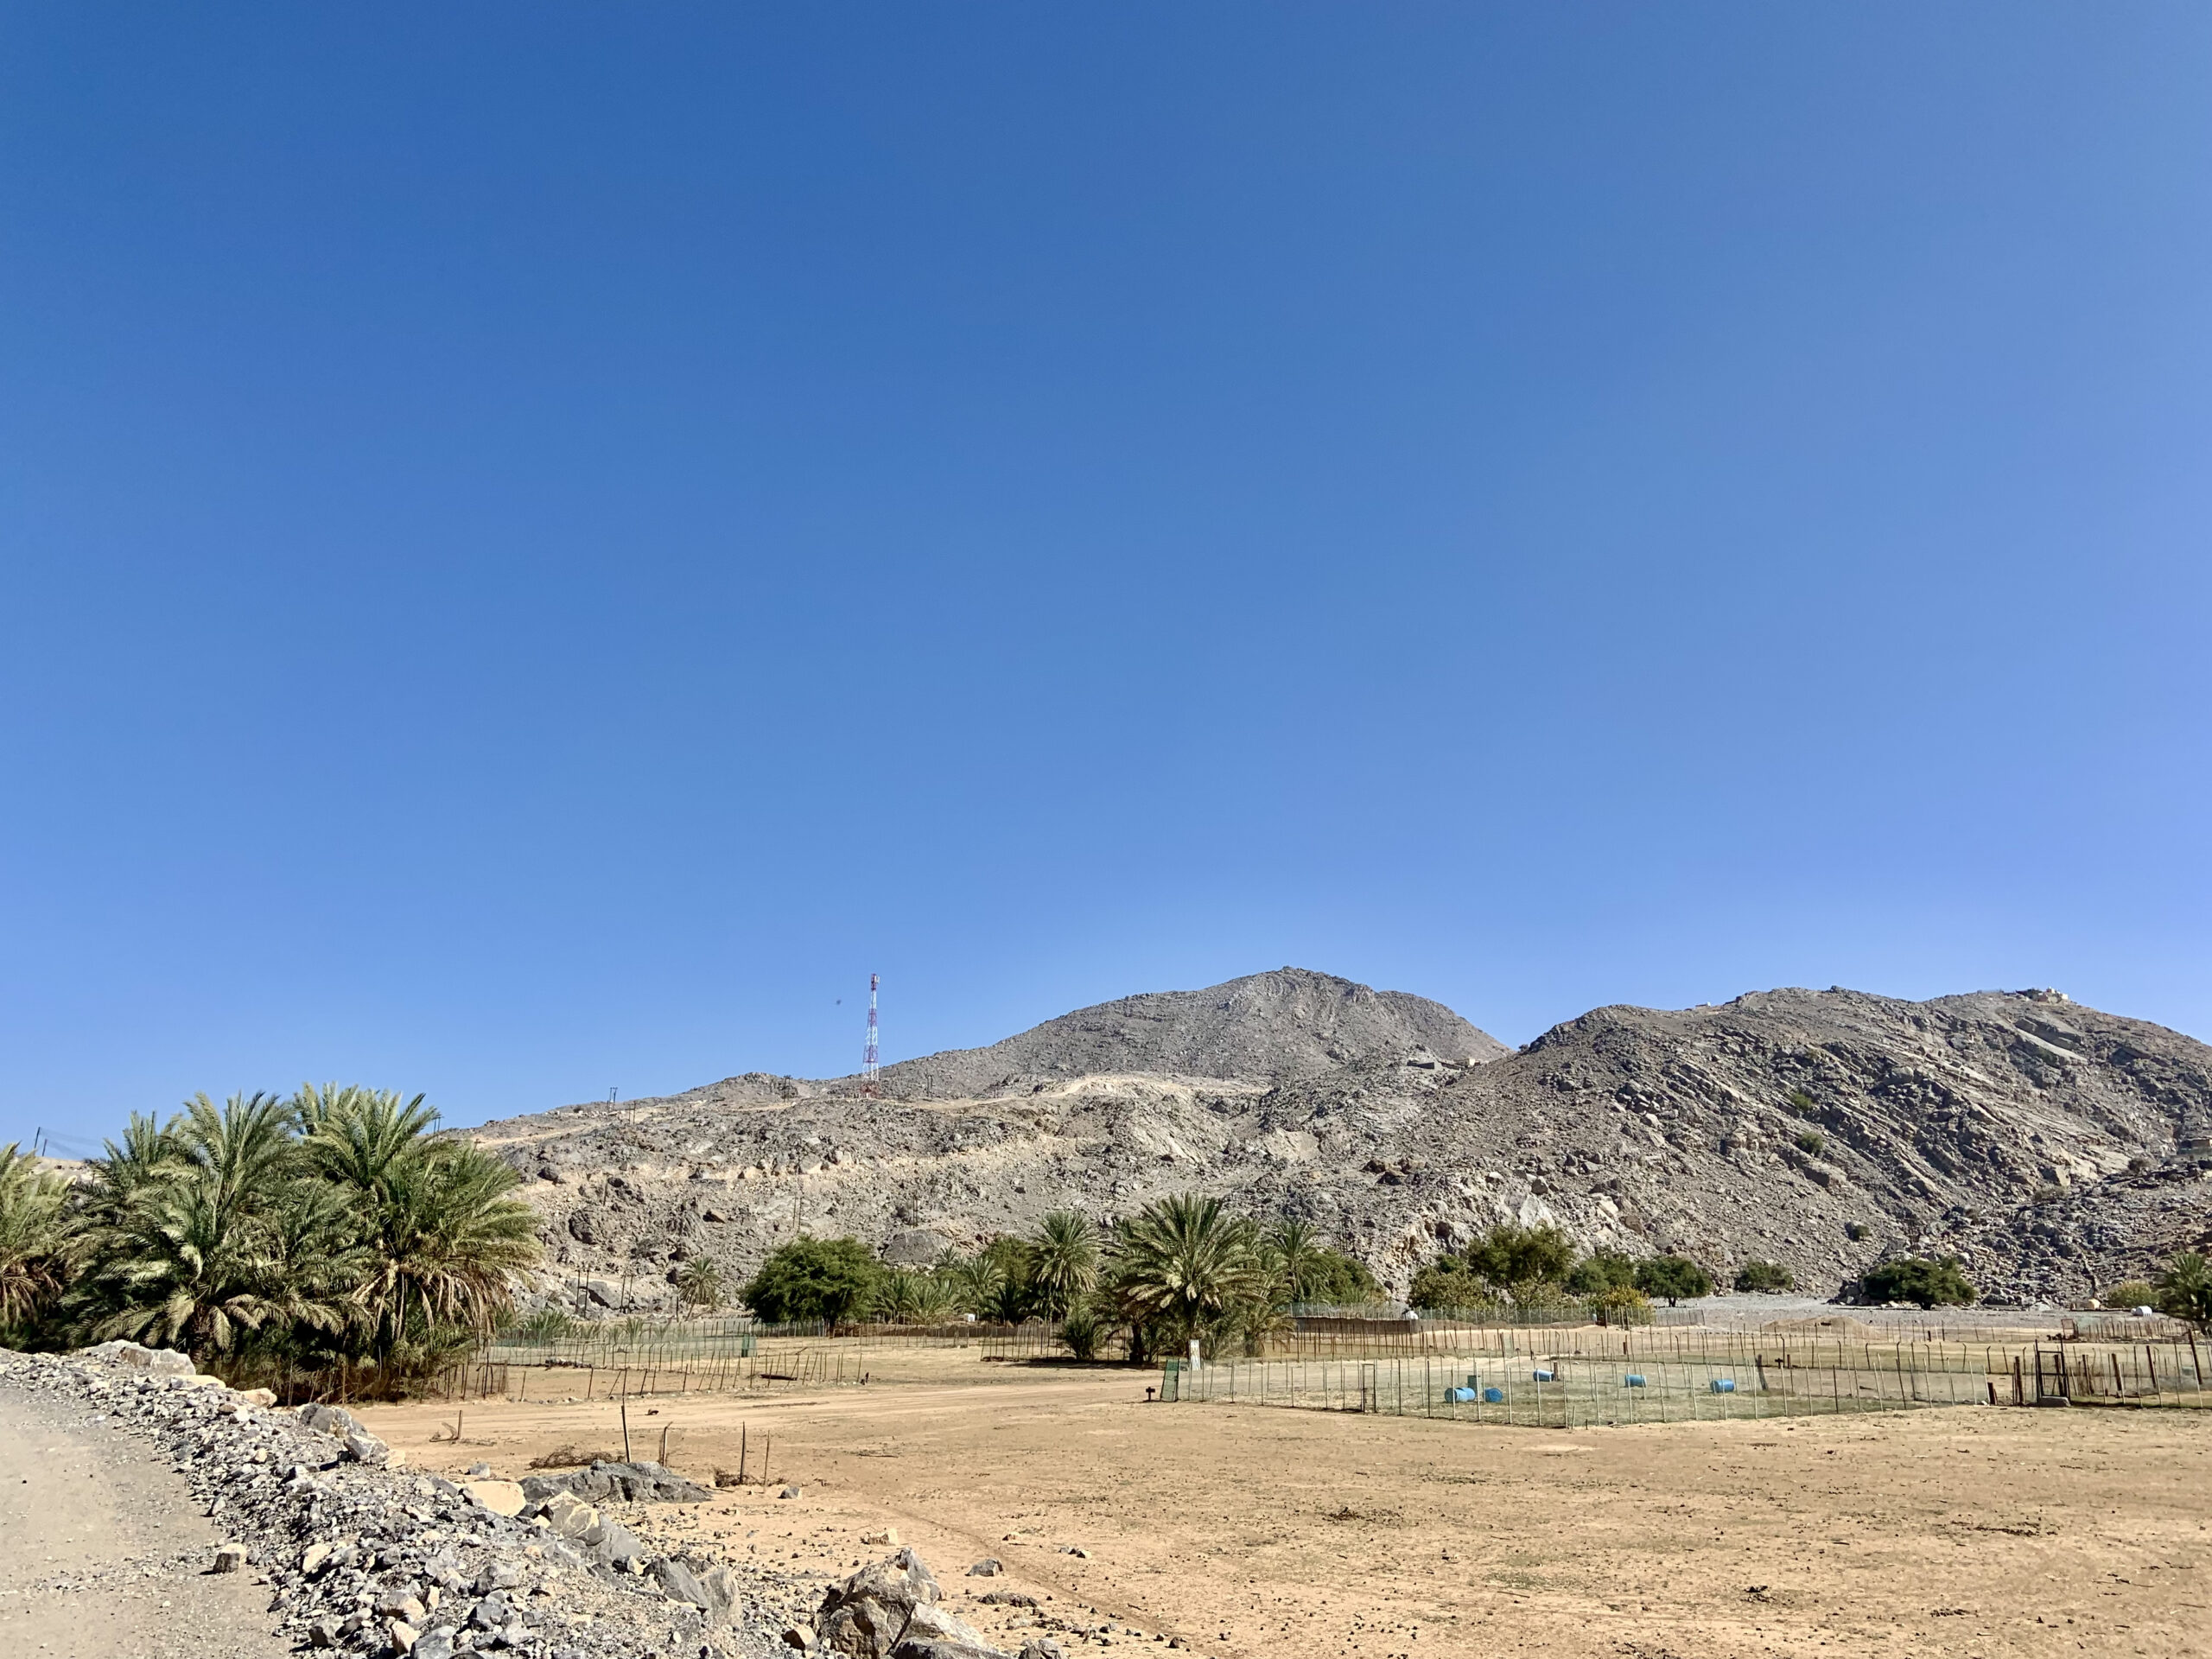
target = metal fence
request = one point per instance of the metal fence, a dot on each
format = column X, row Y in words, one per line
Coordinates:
column 1723, row 1378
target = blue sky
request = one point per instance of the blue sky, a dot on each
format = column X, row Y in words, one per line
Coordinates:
column 540, row 545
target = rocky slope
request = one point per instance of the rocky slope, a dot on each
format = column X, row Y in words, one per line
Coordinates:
column 2040, row 1140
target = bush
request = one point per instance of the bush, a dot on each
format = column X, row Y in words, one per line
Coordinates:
column 1758, row 1276
column 1083, row 1332
column 1929, row 1284
column 1621, row 1305
column 1673, row 1277
column 1803, row 1103
column 1811, row 1140
column 2132, row 1295
column 1517, row 1260
column 1855, row 1231
column 828, row 1279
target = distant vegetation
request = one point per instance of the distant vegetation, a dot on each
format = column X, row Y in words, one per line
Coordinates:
column 1937, row 1283
column 1183, row 1268
column 270, row 1236
column 1532, row 1268
column 1757, row 1275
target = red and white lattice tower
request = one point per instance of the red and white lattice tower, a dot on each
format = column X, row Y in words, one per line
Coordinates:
column 868, row 1054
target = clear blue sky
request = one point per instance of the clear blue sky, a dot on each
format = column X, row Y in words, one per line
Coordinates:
column 539, row 545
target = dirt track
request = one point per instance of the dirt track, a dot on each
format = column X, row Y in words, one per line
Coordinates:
column 1251, row 1532
column 106, row 1551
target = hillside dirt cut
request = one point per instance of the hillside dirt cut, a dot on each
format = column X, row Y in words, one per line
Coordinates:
column 1242, row 1532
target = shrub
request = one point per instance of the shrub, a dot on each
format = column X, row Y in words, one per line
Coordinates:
column 1757, row 1275
column 1855, row 1231
column 811, row 1278
column 1621, row 1305
column 2133, row 1293
column 1929, row 1284
column 1803, row 1103
column 1673, row 1277
column 1083, row 1332
column 1811, row 1140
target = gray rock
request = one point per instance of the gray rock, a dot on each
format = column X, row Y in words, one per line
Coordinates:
column 988, row 1567
column 229, row 1558
column 493, row 1613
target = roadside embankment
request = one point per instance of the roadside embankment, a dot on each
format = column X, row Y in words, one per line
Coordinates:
column 194, row 1494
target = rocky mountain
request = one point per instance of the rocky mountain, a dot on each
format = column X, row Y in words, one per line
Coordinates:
column 2046, row 1143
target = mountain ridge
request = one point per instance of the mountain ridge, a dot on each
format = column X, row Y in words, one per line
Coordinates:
column 2048, row 1144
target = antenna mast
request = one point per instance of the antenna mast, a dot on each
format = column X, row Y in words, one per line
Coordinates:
column 868, row 1054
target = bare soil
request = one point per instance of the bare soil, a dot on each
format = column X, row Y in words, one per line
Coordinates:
column 1252, row 1531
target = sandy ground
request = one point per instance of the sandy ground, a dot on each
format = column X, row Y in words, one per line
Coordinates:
column 106, row 1553
column 1250, row 1531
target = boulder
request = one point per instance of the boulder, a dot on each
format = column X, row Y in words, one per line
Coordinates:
column 364, row 1447
column 258, row 1396
column 500, row 1497
column 151, row 1362
column 567, row 1514
column 643, row 1482
column 889, row 1610
column 229, row 1558
column 334, row 1421
column 933, row 1633
column 707, row 1585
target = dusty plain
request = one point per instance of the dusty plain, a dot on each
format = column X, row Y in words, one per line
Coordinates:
column 1249, row 1531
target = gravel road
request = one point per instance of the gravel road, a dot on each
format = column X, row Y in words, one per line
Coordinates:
column 108, row 1551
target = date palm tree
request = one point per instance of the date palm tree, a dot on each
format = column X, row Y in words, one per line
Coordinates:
column 1185, row 1266
column 1063, row 1262
column 37, row 1235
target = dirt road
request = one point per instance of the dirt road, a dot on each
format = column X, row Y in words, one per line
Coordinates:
column 107, row 1551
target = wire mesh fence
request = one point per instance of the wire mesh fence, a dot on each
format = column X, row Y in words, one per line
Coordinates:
column 1647, row 1376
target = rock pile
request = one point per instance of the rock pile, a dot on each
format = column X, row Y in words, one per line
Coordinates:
column 893, row 1610
column 364, row 1557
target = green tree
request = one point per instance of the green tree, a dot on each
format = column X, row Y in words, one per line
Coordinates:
column 1185, row 1266
column 1599, row 1272
column 1447, row 1285
column 809, row 1278
column 1928, row 1283
column 1063, row 1262
column 1758, row 1276
column 2133, row 1293
column 1621, row 1305
column 1673, row 1277
column 1525, row 1264
column 2185, row 1289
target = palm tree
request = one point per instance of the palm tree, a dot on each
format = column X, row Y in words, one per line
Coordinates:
column 1294, row 1250
column 1063, row 1262
column 180, row 1248
column 2185, row 1289
column 1183, row 1268
column 36, row 1235
column 699, row 1283
column 441, row 1237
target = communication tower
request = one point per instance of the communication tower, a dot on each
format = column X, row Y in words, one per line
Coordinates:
column 868, row 1054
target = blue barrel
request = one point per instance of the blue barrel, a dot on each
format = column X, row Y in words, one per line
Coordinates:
column 1634, row 1380
column 1543, row 1376
column 1460, row 1396
column 1723, row 1385
column 1494, row 1396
